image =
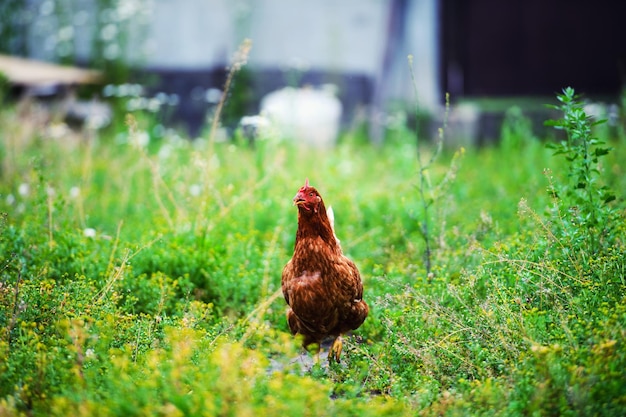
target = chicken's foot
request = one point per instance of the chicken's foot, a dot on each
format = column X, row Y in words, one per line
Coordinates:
column 335, row 350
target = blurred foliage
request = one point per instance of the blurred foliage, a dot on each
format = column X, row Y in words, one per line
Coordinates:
column 93, row 32
column 13, row 27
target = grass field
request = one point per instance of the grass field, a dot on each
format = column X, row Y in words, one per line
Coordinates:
column 143, row 277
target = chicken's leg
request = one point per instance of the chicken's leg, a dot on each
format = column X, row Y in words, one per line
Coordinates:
column 335, row 350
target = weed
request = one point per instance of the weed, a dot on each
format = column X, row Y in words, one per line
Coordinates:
column 582, row 199
column 430, row 194
column 239, row 60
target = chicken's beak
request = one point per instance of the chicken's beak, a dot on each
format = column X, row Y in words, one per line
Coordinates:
column 298, row 199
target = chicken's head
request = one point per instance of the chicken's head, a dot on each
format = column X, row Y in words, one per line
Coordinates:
column 307, row 198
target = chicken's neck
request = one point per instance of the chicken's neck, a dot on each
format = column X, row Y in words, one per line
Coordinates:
column 312, row 225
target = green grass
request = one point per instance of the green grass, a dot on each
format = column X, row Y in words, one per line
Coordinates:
column 173, row 306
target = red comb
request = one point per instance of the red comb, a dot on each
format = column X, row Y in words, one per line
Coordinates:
column 305, row 186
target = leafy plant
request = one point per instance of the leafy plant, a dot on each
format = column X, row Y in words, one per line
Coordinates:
column 429, row 193
column 584, row 200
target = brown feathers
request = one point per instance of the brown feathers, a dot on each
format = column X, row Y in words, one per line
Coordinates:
column 322, row 287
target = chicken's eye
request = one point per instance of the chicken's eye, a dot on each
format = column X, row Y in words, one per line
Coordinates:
column 311, row 194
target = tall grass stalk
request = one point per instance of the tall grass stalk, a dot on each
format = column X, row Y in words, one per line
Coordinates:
column 424, row 184
column 157, row 179
column 209, row 161
column 239, row 60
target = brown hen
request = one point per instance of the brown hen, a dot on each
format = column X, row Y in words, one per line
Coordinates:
column 322, row 287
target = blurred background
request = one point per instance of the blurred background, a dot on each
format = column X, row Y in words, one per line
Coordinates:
column 175, row 55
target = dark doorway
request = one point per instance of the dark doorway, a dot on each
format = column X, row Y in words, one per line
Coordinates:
column 532, row 47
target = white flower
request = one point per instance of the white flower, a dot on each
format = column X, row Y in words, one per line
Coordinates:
column 135, row 90
column 128, row 9
column 140, row 139
column 74, row 192
column 213, row 95
column 173, row 100
column 66, row 33
column 23, row 189
column 161, row 97
column 165, row 151
column 58, row 130
column 46, row 8
column 10, row 199
column 153, row 105
column 195, row 189
column 123, row 90
column 109, row 90
column 257, row 121
column 108, row 32
column 112, row 51
column 96, row 121
column 134, row 104
column 89, row 232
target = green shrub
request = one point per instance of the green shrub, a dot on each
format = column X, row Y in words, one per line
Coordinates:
column 584, row 206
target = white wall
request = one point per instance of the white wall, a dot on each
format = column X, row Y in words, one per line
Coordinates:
column 422, row 27
column 345, row 35
column 342, row 36
column 190, row 34
column 348, row 36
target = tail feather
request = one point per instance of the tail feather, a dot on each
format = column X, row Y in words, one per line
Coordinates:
column 331, row 217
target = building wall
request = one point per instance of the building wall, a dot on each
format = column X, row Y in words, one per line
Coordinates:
column 296, row 36
column 360, row 45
